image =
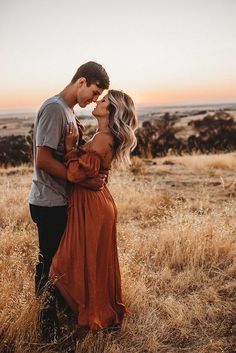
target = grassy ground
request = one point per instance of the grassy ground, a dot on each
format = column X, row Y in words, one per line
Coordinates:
column 177, row 247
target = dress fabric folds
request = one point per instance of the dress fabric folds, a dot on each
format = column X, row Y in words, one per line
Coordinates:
column 85, row 267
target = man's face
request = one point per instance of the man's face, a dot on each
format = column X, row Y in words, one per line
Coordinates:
column 87, row 94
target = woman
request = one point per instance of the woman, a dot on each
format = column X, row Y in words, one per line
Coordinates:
column 86, row 268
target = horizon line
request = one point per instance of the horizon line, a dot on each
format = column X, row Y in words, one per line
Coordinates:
column 138, row 106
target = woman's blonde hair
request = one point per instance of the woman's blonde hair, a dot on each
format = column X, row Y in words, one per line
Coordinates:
column 122, row 123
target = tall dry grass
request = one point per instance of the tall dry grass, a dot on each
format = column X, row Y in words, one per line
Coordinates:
column 178, row 271
column 202, row 163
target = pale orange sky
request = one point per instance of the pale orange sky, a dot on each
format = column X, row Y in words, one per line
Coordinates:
column 221, row 92
column 30, row 100
column 159, row 52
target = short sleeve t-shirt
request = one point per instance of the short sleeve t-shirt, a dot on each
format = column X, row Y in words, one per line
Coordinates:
column 49, row 131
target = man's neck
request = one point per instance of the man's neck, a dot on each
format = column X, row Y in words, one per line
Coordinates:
column 68, row 95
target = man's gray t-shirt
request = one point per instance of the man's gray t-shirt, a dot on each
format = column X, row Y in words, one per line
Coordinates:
column 49, row 131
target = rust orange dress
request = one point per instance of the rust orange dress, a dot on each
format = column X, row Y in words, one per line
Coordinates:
column 85, row 267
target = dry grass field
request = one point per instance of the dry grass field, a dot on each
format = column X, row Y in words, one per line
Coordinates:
column 177, row 250
column 15, row 126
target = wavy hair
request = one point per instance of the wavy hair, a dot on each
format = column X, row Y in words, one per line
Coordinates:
column 122, row 123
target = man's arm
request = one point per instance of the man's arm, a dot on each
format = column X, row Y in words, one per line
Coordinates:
column 46, row 162
column 49, row 132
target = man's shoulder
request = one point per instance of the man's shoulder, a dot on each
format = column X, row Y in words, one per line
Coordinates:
column 52, row 107
column 51, row 104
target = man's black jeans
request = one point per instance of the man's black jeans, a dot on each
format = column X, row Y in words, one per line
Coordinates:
column 51, row 223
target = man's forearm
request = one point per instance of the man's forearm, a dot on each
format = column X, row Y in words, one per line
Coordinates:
column 53, row 168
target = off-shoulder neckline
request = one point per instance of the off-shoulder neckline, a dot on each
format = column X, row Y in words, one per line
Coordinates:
column 95, row 153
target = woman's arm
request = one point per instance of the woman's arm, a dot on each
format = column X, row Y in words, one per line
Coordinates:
column 82, row 165
column 95, row 183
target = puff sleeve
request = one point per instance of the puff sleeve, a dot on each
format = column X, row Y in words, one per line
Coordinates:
column 82, row 164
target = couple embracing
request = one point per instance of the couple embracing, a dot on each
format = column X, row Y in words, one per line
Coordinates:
column 69, row 200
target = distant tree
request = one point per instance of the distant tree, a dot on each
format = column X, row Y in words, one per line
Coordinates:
column 215, row 132
column 15, row 150
column 156, row 137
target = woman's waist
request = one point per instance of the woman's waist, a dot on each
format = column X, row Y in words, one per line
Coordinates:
column 82, row 197
column 80, row 190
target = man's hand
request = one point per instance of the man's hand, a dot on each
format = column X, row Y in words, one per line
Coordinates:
column 95, row 184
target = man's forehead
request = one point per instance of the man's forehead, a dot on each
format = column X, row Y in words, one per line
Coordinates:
column 99, row 90
column 97, row 84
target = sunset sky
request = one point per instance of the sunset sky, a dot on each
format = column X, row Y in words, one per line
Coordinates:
column 160, row 52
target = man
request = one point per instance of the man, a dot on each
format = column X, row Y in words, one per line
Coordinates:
column 48, row 196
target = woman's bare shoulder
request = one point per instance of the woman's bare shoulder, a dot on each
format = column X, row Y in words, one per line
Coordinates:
column 102, row 142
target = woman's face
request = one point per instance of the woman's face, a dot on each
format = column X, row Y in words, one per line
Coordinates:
column 101, row 109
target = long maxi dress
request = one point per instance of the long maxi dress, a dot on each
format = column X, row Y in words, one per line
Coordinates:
column 85, row 267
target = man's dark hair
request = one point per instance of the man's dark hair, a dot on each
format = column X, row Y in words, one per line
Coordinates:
column 94, row 73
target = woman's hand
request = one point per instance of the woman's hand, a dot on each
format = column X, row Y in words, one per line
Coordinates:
column 71, row 137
